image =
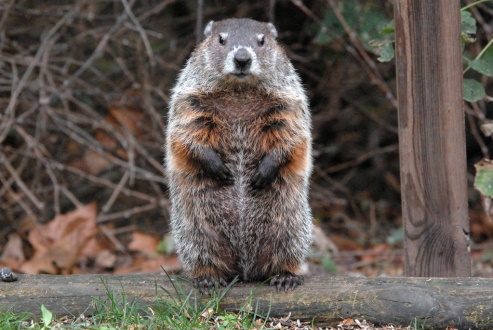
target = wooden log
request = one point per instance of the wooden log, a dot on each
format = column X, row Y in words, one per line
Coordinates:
column 438, row 302
column 432, row 138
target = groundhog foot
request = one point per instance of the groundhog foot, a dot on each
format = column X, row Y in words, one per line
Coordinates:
column 207, row 284
column 286, row 281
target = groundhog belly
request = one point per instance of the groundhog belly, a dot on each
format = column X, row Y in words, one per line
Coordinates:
column 241, row 117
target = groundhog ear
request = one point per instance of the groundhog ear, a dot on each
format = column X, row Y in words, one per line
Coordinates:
column 208, row 28
column 272, row 29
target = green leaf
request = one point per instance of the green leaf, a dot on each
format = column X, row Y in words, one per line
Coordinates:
column 484, row 65
column 166, row 245
column 468, row 23
column 473, row 90
column 388, row 28
column 483, row 182
column 383, row 48
column 330, row 30
column 46, row 316
column 329, row 264
column 383, row 44
column 487, row 256
column 323, row 36
column 396, row 236
column 371, row 23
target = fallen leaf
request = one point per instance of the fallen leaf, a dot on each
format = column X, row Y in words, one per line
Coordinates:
column 144, row 265
column 144, row 243
column 105, row 259
column 57, row 244
column 91, row 162
column 321, row 242
column 377, row 251
column 127, row 117
column 345, row 244
column 347, row 322
column 13, row 253
column 96, row 245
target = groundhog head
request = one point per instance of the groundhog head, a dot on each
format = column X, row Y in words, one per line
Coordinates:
column 241, row 49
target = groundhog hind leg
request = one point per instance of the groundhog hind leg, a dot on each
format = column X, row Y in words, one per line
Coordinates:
column 277, row 234
column 200, row 218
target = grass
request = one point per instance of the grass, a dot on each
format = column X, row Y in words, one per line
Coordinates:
column 183, row 311
column 10, row 320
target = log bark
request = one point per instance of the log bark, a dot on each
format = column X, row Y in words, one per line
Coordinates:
column 432, row 138
column 438, row 302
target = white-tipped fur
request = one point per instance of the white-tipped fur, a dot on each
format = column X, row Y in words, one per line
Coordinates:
column 272, row 29
column 229, row 64
column 208, row 28
column 223, row 36
column 260, row 38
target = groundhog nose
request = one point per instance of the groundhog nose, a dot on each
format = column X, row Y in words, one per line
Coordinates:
column 242, row 59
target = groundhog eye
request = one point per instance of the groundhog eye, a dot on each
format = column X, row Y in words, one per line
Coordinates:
column 222, row 38
column 260, row 40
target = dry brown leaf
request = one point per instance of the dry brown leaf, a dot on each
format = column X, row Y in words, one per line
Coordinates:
column 96, row 245
column 145, row 265
column 126, row 117
column 144, row 243
column 57, row 244
column 119, row 117
column 13, row 254
column 481, row 225
column 105, row 259
column 345, row 244
column 39, row 265
column 321, row 242
column 348, row 322
column 91, row 162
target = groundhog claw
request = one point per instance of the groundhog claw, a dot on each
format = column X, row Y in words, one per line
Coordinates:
column 206, row 284
column 287, row 281
column 225, row 175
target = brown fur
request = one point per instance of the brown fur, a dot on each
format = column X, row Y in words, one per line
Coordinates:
column 298, row 160
column 258, row 129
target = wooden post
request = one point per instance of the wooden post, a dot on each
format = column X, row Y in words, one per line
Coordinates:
column 432, row 138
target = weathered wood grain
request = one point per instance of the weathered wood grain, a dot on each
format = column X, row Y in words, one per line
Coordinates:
column 432, row 138
column 461, row 302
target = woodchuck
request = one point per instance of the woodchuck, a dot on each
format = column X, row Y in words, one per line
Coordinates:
column 238, row 159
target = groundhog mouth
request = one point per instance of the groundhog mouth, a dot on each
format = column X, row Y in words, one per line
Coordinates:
column 241, row 78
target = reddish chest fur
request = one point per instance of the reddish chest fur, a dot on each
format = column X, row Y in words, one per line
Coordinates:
column 238, row 106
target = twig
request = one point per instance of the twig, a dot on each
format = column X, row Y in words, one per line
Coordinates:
column 370, row 64
column 272, row 11
column 20, row 183
column 127, row 213
column 115, row 193
column 98, row 51
column 17, row 89
column 199, row 24
column 362, row 158
column 142, row 32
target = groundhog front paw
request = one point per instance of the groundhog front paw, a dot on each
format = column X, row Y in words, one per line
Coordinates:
column 214, row 168
column 286, row 281
column 266, row 172
column 220, row 173
column 207, row 284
